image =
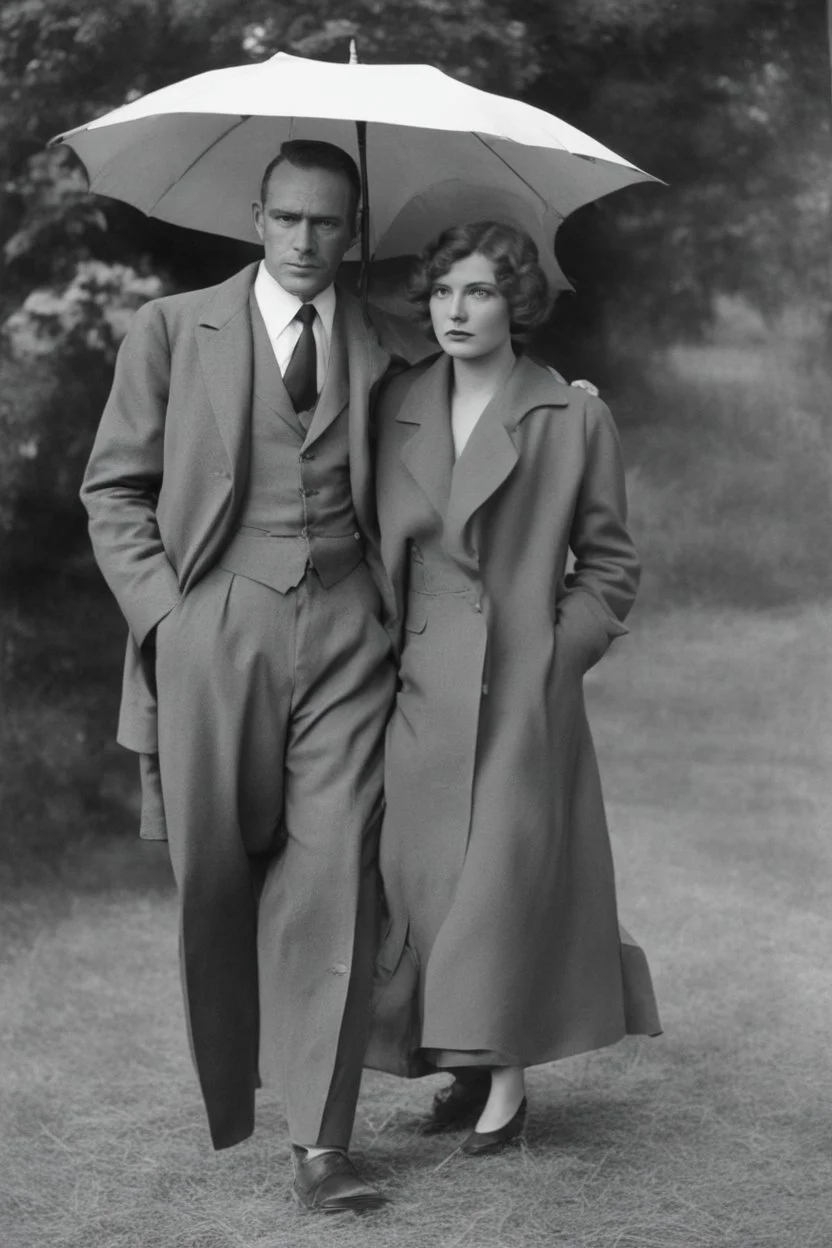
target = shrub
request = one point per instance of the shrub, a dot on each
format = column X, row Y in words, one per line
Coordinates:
column 56, row 362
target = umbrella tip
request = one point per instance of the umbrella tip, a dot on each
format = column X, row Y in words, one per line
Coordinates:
column 353, row 53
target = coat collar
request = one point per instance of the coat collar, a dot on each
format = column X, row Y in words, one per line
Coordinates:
column 458, row 491
column 225, row 344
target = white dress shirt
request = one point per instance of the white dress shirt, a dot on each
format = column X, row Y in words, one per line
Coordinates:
column 278, row 308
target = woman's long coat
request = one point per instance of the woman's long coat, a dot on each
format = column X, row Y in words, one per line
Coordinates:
column 525, row 954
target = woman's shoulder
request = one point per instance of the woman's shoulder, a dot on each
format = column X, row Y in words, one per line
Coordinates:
column 398, row 382
column 544, row 386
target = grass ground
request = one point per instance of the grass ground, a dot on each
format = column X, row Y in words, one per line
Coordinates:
column 714, row 734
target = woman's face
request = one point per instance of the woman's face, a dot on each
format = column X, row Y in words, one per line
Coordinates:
column 470, row 316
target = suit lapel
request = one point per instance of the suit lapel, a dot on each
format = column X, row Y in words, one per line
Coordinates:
column 268, row 383
column 492, row 452
column 226, row 354
column 336, row 390
column 429, row 454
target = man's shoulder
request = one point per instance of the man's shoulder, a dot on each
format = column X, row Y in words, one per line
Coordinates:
column 187, row 306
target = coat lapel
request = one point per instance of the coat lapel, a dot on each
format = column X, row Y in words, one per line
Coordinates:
column 492, row 452
column 367, row 362
column 429, row 454
column 226, row 354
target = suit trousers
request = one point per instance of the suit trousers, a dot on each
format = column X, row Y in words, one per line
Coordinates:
column 272, row 712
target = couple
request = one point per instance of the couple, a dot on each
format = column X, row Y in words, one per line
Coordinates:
column 287, row 515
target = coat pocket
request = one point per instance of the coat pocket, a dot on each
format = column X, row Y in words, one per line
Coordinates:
column 416, row 615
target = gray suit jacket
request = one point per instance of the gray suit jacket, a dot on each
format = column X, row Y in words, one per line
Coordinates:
column 169, row 465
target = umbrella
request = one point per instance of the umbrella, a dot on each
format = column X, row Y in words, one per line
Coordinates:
column 434, row 151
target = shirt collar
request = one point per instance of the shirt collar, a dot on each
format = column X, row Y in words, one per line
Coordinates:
column 278, row 306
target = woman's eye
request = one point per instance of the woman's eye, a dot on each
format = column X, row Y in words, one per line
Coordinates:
column 481, row 292
column 439, row 292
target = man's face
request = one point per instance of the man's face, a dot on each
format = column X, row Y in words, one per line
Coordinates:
column 306, row 225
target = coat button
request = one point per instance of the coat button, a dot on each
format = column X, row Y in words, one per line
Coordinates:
column 339, row 968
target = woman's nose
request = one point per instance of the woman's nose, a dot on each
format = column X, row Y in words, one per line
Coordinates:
column 458, row 312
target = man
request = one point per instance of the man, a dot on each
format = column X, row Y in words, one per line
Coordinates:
column 230, row 504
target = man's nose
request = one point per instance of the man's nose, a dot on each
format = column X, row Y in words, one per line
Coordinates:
column 303, row 237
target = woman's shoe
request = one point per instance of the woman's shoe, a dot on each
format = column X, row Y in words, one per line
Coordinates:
column 480, row 1142
column 459, row 1104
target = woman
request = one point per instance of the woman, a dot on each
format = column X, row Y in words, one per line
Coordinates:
column 503, row 948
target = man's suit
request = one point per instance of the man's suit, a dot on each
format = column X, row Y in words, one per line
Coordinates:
column 272, row 704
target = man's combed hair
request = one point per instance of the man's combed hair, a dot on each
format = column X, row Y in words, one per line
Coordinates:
column 517, row 271
column 312, row 154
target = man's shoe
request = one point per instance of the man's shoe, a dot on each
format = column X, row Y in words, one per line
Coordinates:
column 479, row 1143
column 459, row 1104
column 330, row 1183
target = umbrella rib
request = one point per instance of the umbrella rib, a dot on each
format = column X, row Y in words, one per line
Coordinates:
column 517, row 175
column 184, row 172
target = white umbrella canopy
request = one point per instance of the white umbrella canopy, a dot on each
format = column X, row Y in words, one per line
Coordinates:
column 193, row 153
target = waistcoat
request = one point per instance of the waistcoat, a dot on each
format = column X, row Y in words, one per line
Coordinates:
column 298, row 510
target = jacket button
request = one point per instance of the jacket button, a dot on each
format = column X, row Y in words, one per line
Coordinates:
column 478, row 607
column 339, row 968
column 357, row 536
column 304, row 532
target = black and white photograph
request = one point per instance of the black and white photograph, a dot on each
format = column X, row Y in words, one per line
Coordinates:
column 415, row 624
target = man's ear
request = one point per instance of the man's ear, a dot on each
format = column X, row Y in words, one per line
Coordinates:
column 257, row 213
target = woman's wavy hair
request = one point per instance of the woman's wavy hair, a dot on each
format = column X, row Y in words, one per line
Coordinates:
column 517, row 271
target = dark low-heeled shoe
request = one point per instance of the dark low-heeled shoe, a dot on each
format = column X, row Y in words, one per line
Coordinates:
column 330, row 1183
column 480, row 1142
column 458, row 1105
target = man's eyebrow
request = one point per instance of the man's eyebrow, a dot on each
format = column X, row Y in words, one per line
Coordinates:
column 276, row 211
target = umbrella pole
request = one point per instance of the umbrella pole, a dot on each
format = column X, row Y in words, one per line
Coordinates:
column 364, row 280
column 364, row 273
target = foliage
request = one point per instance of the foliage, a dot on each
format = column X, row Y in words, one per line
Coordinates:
column 55, row 367
column 726, row 100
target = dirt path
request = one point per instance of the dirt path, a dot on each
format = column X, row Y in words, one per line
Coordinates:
column 715, row 739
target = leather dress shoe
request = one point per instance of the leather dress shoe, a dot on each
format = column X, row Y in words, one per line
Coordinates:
column 479, row 1143
column 330, row 1183
column 459, row 1104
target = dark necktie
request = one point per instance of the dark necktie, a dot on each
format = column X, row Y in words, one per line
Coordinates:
column 301, row 376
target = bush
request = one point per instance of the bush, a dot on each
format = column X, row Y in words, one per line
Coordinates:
column 55, row 370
